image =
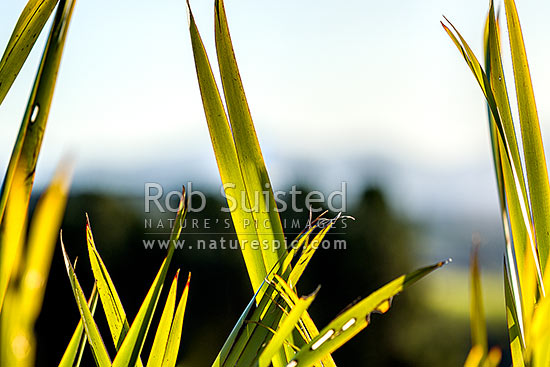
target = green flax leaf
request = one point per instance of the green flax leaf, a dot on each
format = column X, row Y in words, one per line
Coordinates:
column 94, row 337
column 356, row 318
column 22, row 165
column 32, row 20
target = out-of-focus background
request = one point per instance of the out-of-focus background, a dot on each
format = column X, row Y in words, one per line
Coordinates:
column 370, row 93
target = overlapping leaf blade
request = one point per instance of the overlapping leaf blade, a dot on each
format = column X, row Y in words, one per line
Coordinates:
column 163, row 330
column 495, row 73
column 309, row 249
column 286, row 327
column 73, row 354
column 517, row 346
column 132, row 344
column 522, row 247
column 508, row 194
column 256, row 325
column 257, row 331
column 99, row 351
column 526, row 213
column 521, row 299
column 253, row 330
column 237, row 152
column 540, row 336
column 525, row 266
column 535, row 161
column 227, row 159
column 239, row 158
column 250, row 157
column 128, row 354
column 174, row 339
column 112, row 306
column 237, row 331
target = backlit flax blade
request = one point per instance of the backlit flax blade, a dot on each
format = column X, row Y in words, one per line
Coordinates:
column 73, row 353
column 32, row 20
column 483, row 81
column 228, row 162
column 355, row 319
column 250, row 157
column 535, row 161
column 94, row 337
column 22, row 165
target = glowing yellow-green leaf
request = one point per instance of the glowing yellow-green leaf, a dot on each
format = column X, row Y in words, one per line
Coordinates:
column 497, row 80
column 514, row 323
column 129, row 352
column 257, row 331
column 130, row 349
column 256, row 325
column 132, row 344
column 524, row 212
column 94, row 337
column 356, row 318
column 254, row 172
column 173, row 344
column 112, row 306
column 11, row 239
column 31, row 21
column 508, row 194
column 307, row 330
column 33, row 269
column 73, row 353
column 540, row 335
column 511, row 210
column 535, row 161
column 22, row 165
column 44, row 231
column 24, row 269
column 477, row 314
column 307, row 254
column 163, row 330
column 228, row 162
column 475, row 356
column 286, row 327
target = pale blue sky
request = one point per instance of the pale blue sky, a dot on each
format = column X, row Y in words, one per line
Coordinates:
column 358, row 85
